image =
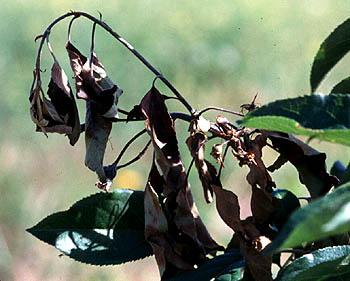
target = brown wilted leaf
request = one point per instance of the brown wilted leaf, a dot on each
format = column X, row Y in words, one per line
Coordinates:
column 228, row 208
column 180, row 210
column 258, row 174
column 262, row 204
column 92, row 83
column 60, row 114
column 157, row 234
column 102, row 95
column 309, row 162
column 251, row 244
column 206, row 171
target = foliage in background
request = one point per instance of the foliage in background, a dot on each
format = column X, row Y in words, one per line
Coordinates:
column 94, row 229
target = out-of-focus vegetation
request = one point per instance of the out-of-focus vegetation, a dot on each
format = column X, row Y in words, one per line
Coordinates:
column 215, row 52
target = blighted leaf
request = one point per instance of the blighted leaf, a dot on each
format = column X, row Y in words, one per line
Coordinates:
column 97, row 130
column 63, row 100
column 228, row 208
column 309, row 162
column 331, row 263
column 105, row 228
column 316, row 116
column 258, row 174
column 206, row 171
column 251, row 245
column 102, row 95
column 60, row 113
column 332, row 49
column 177, row 202
column 156, row 233
column 92, row 82
column 262, row 205
column 226, row 267
column 320, row 219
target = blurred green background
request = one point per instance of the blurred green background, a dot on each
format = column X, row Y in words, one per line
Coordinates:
column 215, row 52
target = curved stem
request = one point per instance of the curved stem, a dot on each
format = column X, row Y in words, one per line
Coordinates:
column 125, row 43
column 137, row 157
column 219, row 109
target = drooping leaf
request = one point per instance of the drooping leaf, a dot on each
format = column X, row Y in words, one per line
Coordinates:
column 309, row 162
column 262, row 204
column 332, row 49
column 60, row 113
column 317, row 116
column 105, row 228
column 206, row 171
column 343, row 87
column 251, row 246
column 258, row 174
column 320, row 219
column 331, row 263
column 102, row 95
column 228, row 207
column 221, row 268
column 185, row 225
column 63, row 100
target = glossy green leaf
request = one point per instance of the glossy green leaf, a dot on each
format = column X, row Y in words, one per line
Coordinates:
column 215, row 268
column 343, row 87
column 105, row 228
column 286, row 203
column 318, row 116
column 320, row 219
column 331, row 263
column 332, row 49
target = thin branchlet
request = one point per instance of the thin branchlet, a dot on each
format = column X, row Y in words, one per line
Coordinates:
column 136, row 158
column 126, row 44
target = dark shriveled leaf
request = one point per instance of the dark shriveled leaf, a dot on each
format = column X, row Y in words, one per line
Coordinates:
column 60, row 113
column 332, row 49
column 309, row 162
column 185, row 225
column 102, row 95
column 103, row 229
column 343, row 87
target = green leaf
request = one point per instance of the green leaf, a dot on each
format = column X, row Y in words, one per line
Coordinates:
column 322, row 218
column 286, row 203
column 331, row 263
column 343, row 87
column 318, row 116
column 333, row 48
column 102, row 229
column 214, row 268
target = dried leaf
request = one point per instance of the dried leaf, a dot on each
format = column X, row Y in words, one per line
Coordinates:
column 258, row 174
column 180, row 210
column 206, row 171
column 156, row 233
column 309, row 162
column 60, row 114
column 102, row 95
column 228, row 207
column 97, row 130
column 262, row 205
column 251, row 245
column 92, row 83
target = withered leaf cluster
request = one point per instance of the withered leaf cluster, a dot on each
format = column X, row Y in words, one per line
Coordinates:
column 173, row 227
column 59, row 113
